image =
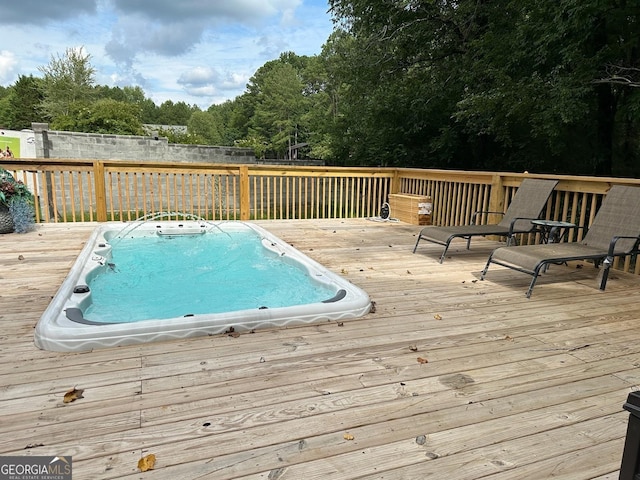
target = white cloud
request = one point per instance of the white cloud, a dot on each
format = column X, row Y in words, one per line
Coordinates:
column 8, row 64
column 197, row 51
column 198, row 76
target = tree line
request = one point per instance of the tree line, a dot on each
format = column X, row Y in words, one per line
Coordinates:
column 545, row 86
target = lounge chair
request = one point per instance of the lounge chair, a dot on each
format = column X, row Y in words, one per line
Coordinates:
column 526, row 205
column 615, row 231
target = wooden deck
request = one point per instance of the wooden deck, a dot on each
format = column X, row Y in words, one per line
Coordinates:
column 512, row 388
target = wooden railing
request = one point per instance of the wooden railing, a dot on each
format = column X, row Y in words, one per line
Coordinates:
column 96, row 190
column 76, row 190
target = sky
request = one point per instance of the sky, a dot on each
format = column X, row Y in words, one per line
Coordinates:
column 201, row 52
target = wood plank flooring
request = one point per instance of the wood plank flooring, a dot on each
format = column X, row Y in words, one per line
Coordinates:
column 512, row 388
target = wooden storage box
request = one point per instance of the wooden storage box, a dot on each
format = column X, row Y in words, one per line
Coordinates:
column 414, row 209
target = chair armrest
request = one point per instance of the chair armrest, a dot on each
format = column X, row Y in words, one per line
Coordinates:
column 612, row 246
column 480, row 212
column 606, row 264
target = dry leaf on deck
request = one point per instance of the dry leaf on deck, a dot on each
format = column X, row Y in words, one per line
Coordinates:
column 437, row 317
column 422, row 360
column 147, row 463
column 348, row 436
column 344, row 271
column 413, row 348
column 73, row 395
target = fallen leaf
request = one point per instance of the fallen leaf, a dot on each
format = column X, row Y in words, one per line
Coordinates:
column 20, row 257
column 34, row 445
column 508, row 338
column 341, row 324
column 373, row 307
column 73, row 395
column 413, row 348
column 234, row 334
column 348, row 436
column 422, row 360
column 409, row 272
column 344, row 272
column 437, row 317
column 147, row 463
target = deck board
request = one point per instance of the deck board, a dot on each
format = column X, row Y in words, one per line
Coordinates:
column 513, row 387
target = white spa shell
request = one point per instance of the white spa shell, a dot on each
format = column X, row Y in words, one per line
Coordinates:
column 62, row 328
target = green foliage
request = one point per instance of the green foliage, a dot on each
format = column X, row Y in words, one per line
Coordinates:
column 543, row 86
column 12, row 190
column 6, row 112
column 170, row 113
column 275, row 105
column 520, row 85
column 206, row 125
column 25, row 99
column 68, row 80
column 174, row 136
column 259, row 144
column 102, row 116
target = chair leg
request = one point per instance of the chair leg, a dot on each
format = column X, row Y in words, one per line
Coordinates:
column 531, row 285
column 444, row 253
column 469, row 242
column 606, row 265
column 417, row 242
column 536, row 272
column 486, row 267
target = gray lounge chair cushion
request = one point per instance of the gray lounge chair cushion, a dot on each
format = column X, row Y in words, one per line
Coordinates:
column 619, row 215
column 528, row 257
column 528, row 202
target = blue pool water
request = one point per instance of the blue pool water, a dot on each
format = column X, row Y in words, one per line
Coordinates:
column 171, row 276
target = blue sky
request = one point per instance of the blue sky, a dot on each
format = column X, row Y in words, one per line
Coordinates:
column 197, row 51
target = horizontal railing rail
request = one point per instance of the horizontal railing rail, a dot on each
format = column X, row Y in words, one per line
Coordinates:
column 101, row 190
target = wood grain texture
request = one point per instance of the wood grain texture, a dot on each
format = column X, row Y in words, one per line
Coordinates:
column 511, row 388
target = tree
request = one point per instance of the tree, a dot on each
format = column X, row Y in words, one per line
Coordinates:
column 102, row 116
column 67, row 81
column 6, row 112
column 540, row 85
column 25, row 100
column 279, row 108
column 226, row 113
column 170, row 113
column 206, row 126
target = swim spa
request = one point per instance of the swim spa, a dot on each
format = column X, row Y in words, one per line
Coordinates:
column 88, row 314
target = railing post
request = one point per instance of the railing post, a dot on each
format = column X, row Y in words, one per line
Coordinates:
column 496, row 199
column 245, row 205
column 101, row 195
column 395, row 181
